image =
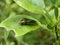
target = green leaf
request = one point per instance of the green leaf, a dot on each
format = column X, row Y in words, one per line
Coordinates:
column 52, row 14
column 8, row 1
column 12, row 23
column 50, row 2
column 35, row 6
column 58, row 12
column 59, row 2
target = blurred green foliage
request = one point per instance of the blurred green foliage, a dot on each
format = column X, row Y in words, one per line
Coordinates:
column 37, row 37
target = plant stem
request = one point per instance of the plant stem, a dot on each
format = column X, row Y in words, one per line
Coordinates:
column 56, row 16
column 56, row 31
